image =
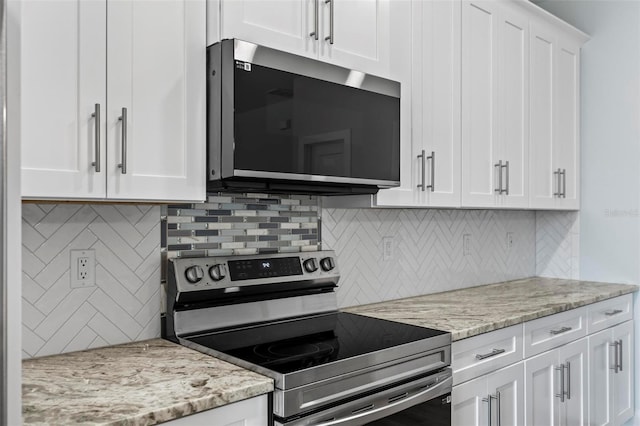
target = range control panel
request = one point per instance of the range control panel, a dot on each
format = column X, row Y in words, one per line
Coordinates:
column 205, row 273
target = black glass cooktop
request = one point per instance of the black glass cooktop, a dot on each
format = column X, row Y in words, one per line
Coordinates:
column 293, row 345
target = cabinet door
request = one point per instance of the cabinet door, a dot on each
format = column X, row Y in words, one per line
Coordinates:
column 541, row 389
column 574, row 357
column 469, row 405
column 543, row 183
column 155, row 71
column 61, row 49
column 600, row 372
column 623, row 394
column 479, row 103
column 355, row 34
column 280, row 24
column 508, row 385
column 513, row 102
column 439, row 114
column 252, row 411
column 566, row 124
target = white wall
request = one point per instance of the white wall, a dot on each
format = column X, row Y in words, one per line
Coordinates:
column 610, row 213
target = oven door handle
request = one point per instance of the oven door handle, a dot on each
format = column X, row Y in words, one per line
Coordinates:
column 363, row 417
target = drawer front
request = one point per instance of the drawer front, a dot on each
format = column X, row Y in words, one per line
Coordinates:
column 554, row 330
column 478, row 355
column 609, row 312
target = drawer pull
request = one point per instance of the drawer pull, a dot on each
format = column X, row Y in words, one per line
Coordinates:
column 614, row 312
column 562, row 330
column 490, row 354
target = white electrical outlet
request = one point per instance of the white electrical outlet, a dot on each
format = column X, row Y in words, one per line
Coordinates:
column 387, row 248
column 466, row 244
column 83, row 268
column 510, row 240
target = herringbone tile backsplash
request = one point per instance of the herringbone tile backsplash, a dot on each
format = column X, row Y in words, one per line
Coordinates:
column 427, row 250
column 125, row 303
column 558, row 244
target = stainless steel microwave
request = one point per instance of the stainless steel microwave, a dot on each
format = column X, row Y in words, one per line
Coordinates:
column 278, row 122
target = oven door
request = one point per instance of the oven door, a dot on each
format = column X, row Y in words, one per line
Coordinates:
column 422, row 401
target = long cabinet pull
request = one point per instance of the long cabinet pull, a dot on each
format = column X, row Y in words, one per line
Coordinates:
column 432, row 157
column 498, row 402
column 488, row 400
column 490, row 354
column 123, row 119
column 330, row 36
column 96, row 119
column 562, row 393
column 506, row 190
column 614, row 312
column 616, row 356
column 564, row 183
column 620, row 352
column 560, row 331
column 423, row 156
column 498, row 165
column 314, row 33
column 557, row 176
column 568, row 367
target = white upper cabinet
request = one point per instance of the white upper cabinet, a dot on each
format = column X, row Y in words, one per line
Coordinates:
column 350, row 33
column 430, row 76
column 555, row 117
column 495, row 67
column 155, row 72
column 61, row 49
column 81, row 65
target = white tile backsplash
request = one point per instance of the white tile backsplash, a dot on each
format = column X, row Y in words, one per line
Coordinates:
column 124, row 305
column 558, row 244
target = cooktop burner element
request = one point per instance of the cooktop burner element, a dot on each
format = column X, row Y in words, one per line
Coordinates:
column 277, row 315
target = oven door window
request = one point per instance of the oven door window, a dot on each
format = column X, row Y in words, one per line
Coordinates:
column 436, row 412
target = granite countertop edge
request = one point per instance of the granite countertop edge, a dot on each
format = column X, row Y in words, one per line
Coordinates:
column 421, row 310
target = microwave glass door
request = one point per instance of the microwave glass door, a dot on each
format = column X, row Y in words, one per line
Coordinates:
column 293, row 124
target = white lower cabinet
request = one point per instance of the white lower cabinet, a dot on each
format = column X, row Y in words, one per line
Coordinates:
column 556, row 386
column 249, row 412
column 611, row 375
column 562, row 369
column 493, row 399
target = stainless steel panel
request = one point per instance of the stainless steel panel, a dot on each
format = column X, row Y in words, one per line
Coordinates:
column 265, row 56
column 380, row 405
column 315, row 178
column 3, row 216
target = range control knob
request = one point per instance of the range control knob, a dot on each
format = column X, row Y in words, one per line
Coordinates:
column 217, row 272
column 310, row 265
column 194, row 274
column 327, row 264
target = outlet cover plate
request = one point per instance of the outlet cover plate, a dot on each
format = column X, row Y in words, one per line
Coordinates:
column 83, row 276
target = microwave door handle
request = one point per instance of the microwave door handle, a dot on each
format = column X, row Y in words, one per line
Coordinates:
column 363, row 417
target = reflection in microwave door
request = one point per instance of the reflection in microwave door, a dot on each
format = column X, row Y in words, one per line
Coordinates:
column 326, row 154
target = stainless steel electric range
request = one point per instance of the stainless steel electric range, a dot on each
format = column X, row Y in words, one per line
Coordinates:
column 277, row 315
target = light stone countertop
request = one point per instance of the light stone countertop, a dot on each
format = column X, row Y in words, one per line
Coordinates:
column 140, row 383
column 476, row 310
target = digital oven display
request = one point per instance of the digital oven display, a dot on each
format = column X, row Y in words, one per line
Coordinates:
column 264, row 268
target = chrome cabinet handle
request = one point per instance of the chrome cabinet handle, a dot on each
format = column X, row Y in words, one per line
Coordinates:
column 314, row 33
column 614, row 312
column 620, row 352
column 557, row 177
column 499, row 166
column 616, row 356
column 423, row 156
column 564, row 183
column 123, row 118
column 96, row 117
column 568, row 392
column 330, row 36
column 498, row 402
column 490, row 354
column 560, row 331
column 562, row 393
column 488, row 400
column 432, row 157
column 506, row 191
